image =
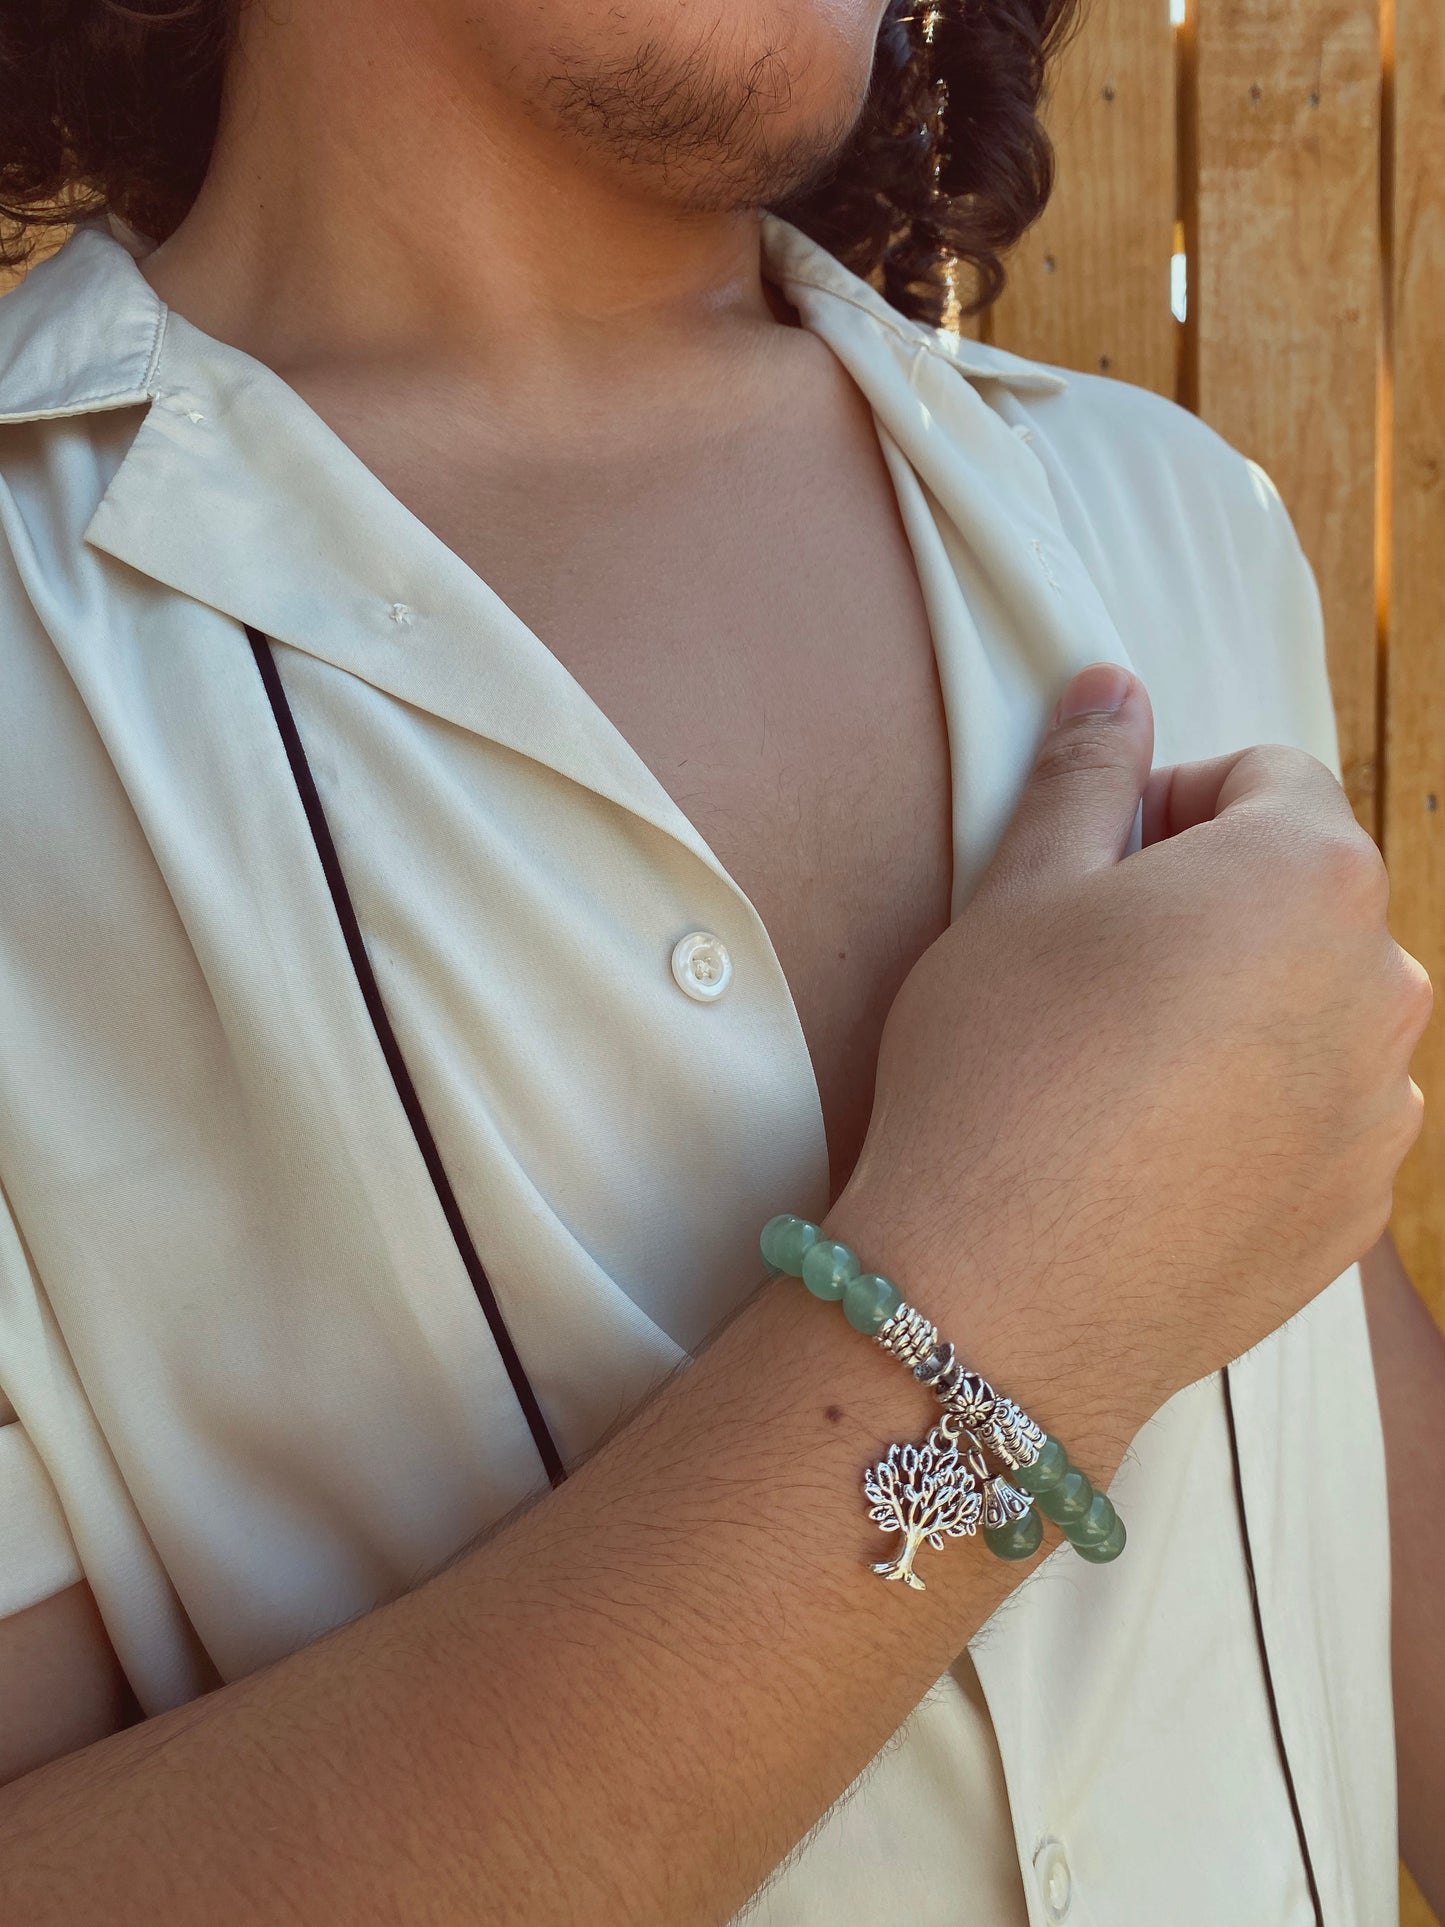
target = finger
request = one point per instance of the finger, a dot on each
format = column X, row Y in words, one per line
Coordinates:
column 1177, row 796
column 1078, row 807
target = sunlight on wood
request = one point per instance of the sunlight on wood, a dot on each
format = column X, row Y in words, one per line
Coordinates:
column 1415, row 1910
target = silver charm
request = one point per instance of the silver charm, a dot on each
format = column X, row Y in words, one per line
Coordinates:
column 943, row 1488
column 1012, row 1435
column 995, row 1421
column 1002, row 1504
column 969, row 1395
column 927, row 1492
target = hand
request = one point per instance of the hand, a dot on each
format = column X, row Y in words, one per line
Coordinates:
column 1144, row 1108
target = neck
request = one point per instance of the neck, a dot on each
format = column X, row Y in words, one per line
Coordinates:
column 374, row 194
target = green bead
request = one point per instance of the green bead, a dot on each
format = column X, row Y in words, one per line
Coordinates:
column 1019, row 1539
column 1045, row 1472
column 1108, row 1549
column 870, row 1301
column 768, row 1242
column 1096, row 1525
column 829, row 1268
column 784, row 1241
column 1069, row 1500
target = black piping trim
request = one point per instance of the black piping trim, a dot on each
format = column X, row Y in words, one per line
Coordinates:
column 395, row 1062
column 1294, row 1806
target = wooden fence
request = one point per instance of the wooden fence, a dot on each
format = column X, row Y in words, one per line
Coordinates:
column 1250, row 217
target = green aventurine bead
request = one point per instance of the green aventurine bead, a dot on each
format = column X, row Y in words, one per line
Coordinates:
column 784, row 1241
column 1019, row 1539
column 1045, row 1472
column 1068, row 1501
column 768, row 1242
column 870, row 1301
column 1096, row 1525
column 1108, row 1549
column 829, row 1268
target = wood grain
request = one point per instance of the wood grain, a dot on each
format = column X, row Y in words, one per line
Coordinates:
column 1285, row 263
column 1414, row 735
column 1415, row 1909
column 1089, row 286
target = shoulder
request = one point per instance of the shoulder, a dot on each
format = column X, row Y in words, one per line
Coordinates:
column 1185, row 537
column 1195, row 554
column 1213, row 564
column 1139, row 462
column 1140, row 454
column 1134, row 440
column 1159, row 489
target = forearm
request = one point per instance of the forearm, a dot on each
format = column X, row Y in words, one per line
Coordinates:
column 625, row 1707
column 1409, row 1353
column 61, row 1685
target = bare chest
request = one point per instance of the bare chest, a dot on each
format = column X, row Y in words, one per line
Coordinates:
column 753, row 626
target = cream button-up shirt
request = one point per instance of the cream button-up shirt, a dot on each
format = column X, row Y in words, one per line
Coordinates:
column 245, row 1387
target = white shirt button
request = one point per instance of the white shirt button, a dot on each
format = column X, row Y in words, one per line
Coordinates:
column 1056, row 1883
column 701, row 965
column 1024, row 432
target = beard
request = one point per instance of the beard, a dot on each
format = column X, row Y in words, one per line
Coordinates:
column 714, row 136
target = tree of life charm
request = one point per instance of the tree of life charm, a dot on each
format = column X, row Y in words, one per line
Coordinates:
column 926, row 1492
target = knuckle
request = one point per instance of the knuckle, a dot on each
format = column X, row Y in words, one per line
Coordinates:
column 1079, row 750
column 1403, row 1125
column 1278, row 759
column 1417, row 993
column 1346, row 867
column 1287, row 770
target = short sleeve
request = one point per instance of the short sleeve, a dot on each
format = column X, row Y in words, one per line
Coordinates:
column 37, row 1554
column 1297, row 628
column 65, row 1512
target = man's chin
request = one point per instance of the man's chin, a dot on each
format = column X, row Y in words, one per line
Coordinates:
column 730, row 188
column 725, row 155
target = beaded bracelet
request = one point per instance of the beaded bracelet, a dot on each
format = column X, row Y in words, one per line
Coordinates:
column 943, row 1487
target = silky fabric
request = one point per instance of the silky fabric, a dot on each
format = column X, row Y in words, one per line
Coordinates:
column 248, row 1390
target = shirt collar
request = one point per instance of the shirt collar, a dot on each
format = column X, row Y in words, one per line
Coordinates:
column 799, row 262
column 83, row 331
column 235, row 494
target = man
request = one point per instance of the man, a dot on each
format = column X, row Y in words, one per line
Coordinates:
column 416, row 1005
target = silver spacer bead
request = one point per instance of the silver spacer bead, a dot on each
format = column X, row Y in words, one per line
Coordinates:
column 908, row 1335
column 1021, row 1438
column 941, row 1370
column 995, row 1422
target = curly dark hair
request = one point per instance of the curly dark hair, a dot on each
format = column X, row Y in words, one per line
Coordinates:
column 111, row 106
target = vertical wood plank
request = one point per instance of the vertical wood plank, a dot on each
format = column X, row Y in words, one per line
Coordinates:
column 1089, row 286
column 1286, row 277
column 1414, row 736
column 1415, row 1910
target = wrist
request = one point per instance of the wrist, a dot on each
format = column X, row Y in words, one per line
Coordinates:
column 988, row 1465
column 1047, row 1348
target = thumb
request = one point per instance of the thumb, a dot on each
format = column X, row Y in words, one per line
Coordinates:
column 1078, row 807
